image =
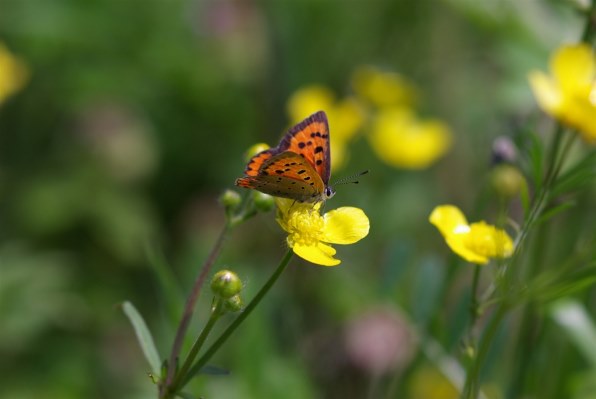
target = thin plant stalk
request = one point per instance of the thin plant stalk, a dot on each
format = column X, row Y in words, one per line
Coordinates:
column 188, row 311
column 215, row 315
column 472, row 384
column 232, row 327
column 555, row 160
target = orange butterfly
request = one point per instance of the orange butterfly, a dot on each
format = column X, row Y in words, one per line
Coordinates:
column 298, row 168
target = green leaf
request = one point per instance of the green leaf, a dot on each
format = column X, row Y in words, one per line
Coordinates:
column 213, row 370
column 184, row 395
column 536, row 152
column 549, row 213
column 572, row 316
column 143, row 336
column 558, row 283
column 566, row 289
column 167, row 282
column 577, row 177
column 525, row 197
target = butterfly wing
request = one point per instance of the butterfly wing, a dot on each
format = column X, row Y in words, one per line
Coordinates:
column 310, row 138
column 256, row 162
column 286, row 175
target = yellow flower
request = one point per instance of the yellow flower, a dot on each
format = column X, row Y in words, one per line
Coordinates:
column 309, row 232
column 476, row 242
column 345, row 116
column 382, row 88
column 402, row 140
column 428, row 383
column 308, row 100
column 13, row 74
column 254, row 150
column 569, row 94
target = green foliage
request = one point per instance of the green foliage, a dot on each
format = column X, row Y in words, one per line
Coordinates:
column 134, row 121
column 143, row 336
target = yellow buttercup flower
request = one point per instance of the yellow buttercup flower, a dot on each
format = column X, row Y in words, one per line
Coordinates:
column 569, row 95
column 382, row 88
column 476, row 242
column 254, row 150
column 13, row 74
column 402, row 140
column 308, row 100
column 345, row 117
column 310, row 233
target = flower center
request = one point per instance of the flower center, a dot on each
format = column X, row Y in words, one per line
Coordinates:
column 304, row 225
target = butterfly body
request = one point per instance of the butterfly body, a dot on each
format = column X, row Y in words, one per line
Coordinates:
column 298, row 168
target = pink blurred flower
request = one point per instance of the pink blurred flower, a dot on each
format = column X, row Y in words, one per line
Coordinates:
column 379, row 341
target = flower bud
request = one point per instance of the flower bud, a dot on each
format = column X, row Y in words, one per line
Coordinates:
column 226, row 284
column 503, row 150
column 507, row 180
column 469, row 351
column 233, row 304
column 230, row 199
column 263, row 202
column 254, row 150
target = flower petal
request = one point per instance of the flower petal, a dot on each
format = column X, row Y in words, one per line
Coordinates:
column 308, row 100
column 382, row 88
column 402, row 140
column 574, row 68
column 449, row 219
column 458, row 244
column 320, row 254
column 475, row 243
column 487, row 240
column 547, row 94
column 13, row 73
column 286, row 205
column 345, row 225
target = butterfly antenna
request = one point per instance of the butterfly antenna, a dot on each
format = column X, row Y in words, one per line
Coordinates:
column 351, row 179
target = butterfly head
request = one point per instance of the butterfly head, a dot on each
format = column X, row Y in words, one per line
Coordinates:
column 328, row 193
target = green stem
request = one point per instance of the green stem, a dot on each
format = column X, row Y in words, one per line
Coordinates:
column 472, row 384
column 189, row 309
column 474, row 304
column 215, row 315
column 245, row 313
column 540, row 201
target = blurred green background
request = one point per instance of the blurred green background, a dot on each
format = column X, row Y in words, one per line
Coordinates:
column 135, row 117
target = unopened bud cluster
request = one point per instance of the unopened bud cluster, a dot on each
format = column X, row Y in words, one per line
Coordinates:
column 507, row 180
column 226, row 287
column 230, row 199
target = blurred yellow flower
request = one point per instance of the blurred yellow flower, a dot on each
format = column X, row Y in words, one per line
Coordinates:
column 254, row 150
column 476, row 242
column 382, row 88
column 13, row 74
column 569, row 95
column 345, row 117
column 308, row 100
column 428, row 383
column 309, row 232
column 402, row 140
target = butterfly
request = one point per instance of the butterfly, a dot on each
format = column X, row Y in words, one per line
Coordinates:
column 298, row 168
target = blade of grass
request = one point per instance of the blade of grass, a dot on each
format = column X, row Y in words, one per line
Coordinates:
column 143, row 336
column 573, row 317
